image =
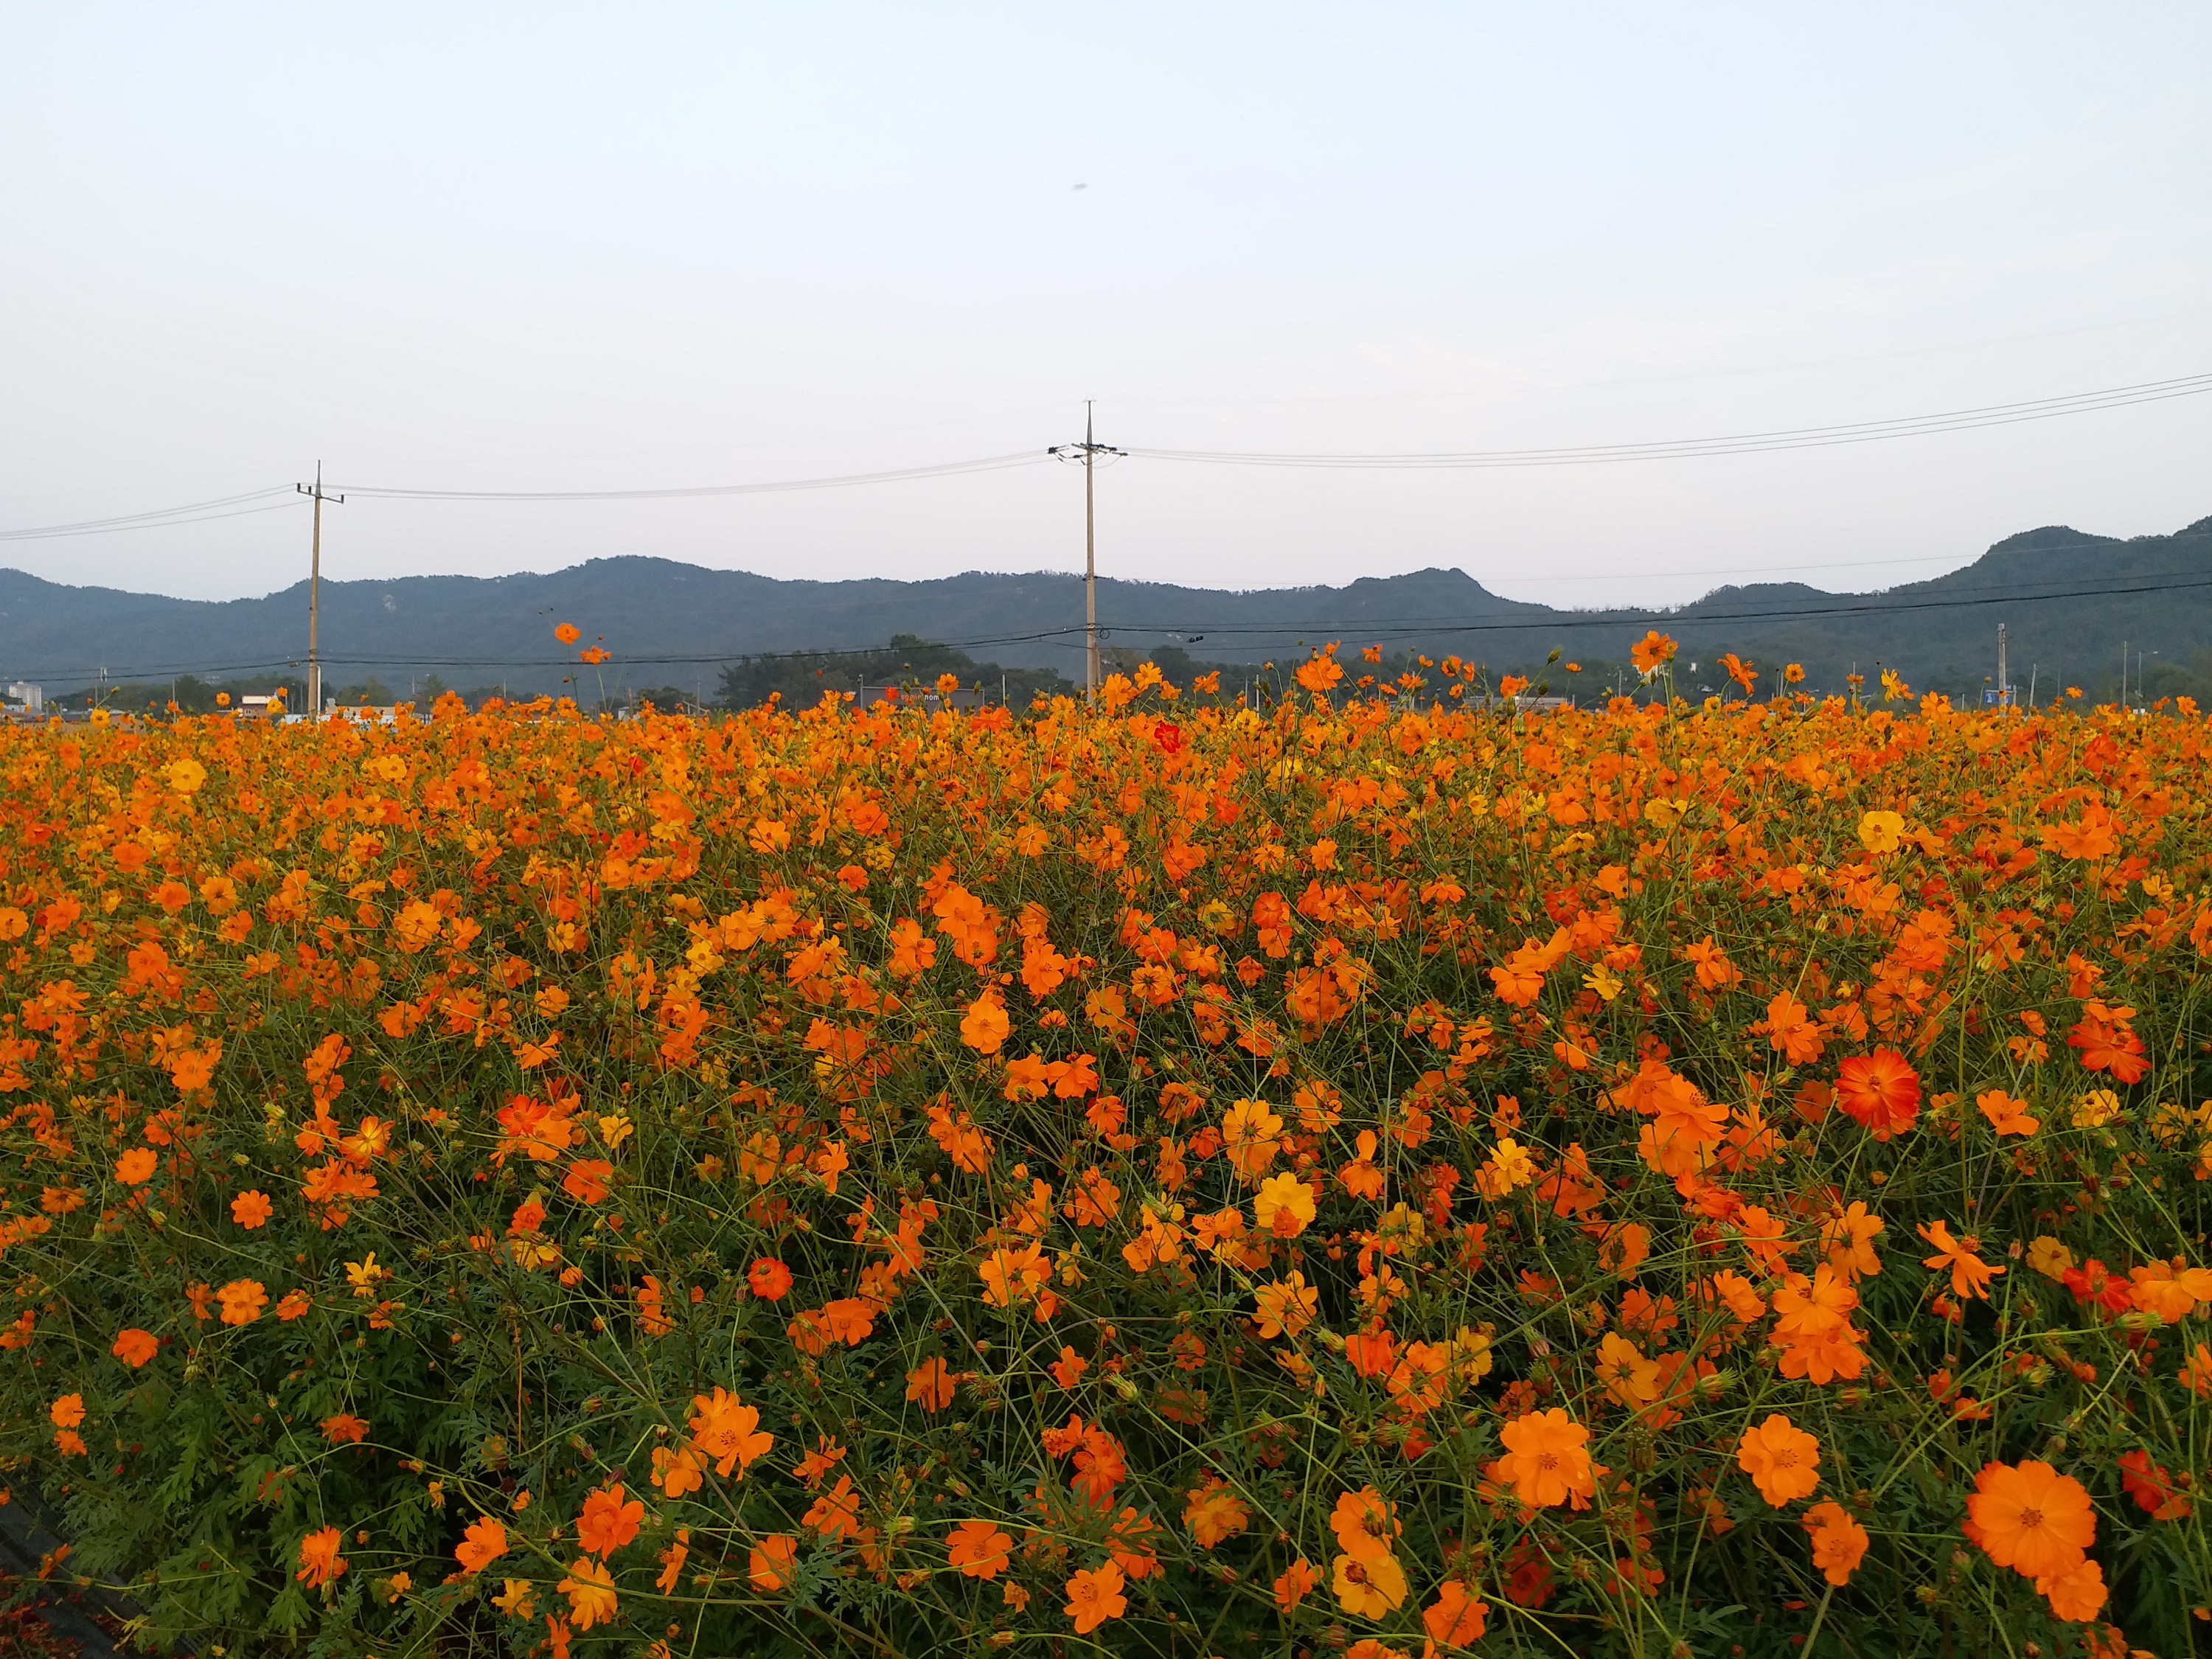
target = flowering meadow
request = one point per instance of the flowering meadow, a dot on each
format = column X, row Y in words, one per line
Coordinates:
column 1384, row 1174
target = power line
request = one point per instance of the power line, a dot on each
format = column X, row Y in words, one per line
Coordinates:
column 197, row 513
column 1990, row 414
column 159, row 519
column 1857, row 432
column 901, row 475
column 2102, row 543
column 1371, row 629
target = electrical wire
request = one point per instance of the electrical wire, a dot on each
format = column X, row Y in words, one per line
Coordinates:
column 1857, row 432
column 944, row 469
column 196, row 513
column 1988, row 415
column 2106, row 543
column 164, row 524
column 158, row 518
column 1369, row 628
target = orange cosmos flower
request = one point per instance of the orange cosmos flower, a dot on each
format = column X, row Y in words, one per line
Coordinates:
column 483, row 1543
column 251, row 1210
column 568, row 633
column 1881, row 1090
column 1652, row 653
column 2006, row 1116
column 836, row 1513
column 676, row 1472
column 68, row 1412
column 319, row 1561
column 1286, row 1306
column 1458, row 1618
column 1213, row 1513
column 1365, row 1523
column 1298, row 1580
column 979, row 1549
column 2077, row 1595
column 769, row 1278
column 1250, row 1136
column 135, row 1167
column 671, row 1561
column 2168, row 1289
column 1370, row 1587
column 2031, row 1518
column 1781, row 1459
column 984, row 1028
column 1284, row 1205
column 728, row 1430
column 134, row 1347
column 1839, row 1543
column 345, row 1429
column 931, row 1384
column 1790, row 1030
column 1322, row 674
column 1628, row 1376
column 590, row 1589
column 770, row 1567
column 1970, row 1274
column 1849, row 1240
column 1547, row 1461
column 1095, row 1597
column 608, row 1523
column 2196, row 1373
column 817, row 1464
column 242, row 1300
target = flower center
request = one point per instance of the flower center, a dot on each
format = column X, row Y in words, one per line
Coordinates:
column 2030, row 1519
column 1547, row 1461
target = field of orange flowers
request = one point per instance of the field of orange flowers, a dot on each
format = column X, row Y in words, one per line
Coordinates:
column 1368, row 1175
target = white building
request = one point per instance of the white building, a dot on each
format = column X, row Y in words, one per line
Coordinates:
column 33, row 697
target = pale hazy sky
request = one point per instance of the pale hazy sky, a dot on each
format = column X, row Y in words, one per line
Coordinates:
column 562, row 247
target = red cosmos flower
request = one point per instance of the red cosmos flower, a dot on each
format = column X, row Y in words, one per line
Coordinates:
column 1881, row 1090
column 1167, row 737
column 2152, row 1487
column 2095, row 1285
column 1528, row 1581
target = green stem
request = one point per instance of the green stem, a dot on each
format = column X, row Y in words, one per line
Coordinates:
column 1818, row 1619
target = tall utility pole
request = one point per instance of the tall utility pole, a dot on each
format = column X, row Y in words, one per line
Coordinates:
column 315, row 595
column 1090, row 449
column 2005, row 685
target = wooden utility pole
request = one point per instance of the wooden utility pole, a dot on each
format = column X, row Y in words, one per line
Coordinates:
column 315, row 595
column 2005, row 685
column 1090, row 449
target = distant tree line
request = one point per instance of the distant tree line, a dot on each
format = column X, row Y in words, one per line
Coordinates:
column 800, row 678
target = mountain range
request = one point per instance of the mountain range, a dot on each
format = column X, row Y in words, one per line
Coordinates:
column 2069, row 600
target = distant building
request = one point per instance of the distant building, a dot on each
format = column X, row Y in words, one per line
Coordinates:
column 255, row 707
column 926, row 698
column 33, row 697
column 1523, row 704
